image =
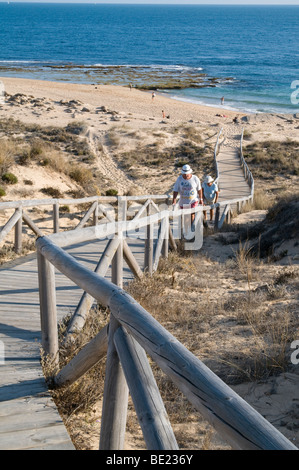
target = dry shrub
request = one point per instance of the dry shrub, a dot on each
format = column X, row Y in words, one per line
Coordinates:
column 80, row 174
column 262, row 157
column 7, row 152
column 246, row 261
column 261, row 200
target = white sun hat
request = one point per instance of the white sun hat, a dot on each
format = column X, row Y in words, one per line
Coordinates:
column 186, row 170
column 209, row 179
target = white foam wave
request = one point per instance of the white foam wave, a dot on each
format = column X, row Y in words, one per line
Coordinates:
column 151, row 66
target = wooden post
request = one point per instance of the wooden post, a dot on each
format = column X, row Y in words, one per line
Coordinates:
column 131, row 261
column 87, row 357
column 10, row 223
column 115, row 401
column 32, row 225
column 87, row 215
column 96, row 214
column 56, row 217
column 149, row 246
column 159, row 244
column 217, row 217
column 78, row 320
column 117, row 261
column 172, row 240
column 18, row 235
column 47, row 295
column 146, row 397
column 239, row 424
column 228, row 215
column 165, row 246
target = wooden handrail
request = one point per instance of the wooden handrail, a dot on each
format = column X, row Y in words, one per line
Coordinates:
column 97, row 205
column 237, row 422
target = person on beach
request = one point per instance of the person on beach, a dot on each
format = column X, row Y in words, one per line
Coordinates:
column 210, row 195
column 188, row 186
column 153, row 95
column 222, row 100
column 2, row 93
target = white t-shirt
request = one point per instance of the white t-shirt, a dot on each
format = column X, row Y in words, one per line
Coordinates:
column 187, row 189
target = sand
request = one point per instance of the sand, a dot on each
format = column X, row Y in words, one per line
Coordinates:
column 112, row 107
column 104, row 105
column 105, row 108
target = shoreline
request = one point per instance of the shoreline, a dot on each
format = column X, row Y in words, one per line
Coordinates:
column 116, row 121
column 129, row 104
column 107, row 107
column 13, row 83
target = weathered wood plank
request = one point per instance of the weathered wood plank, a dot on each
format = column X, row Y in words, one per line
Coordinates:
column 92, row 353
column 239, row 423
column 146, row 397
column 21, row 381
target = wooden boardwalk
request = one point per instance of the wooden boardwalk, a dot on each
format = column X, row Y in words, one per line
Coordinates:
column 28, row 416
column 232, row 183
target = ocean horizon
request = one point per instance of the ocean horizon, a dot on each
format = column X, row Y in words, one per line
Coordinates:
column 247, row 55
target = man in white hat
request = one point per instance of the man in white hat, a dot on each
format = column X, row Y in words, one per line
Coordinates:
column 210, row 195
column 188, row 186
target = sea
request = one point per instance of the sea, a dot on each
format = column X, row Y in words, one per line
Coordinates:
column 247, row 55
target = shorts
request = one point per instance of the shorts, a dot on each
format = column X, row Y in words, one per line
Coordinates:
column 208, row 203
column 187, row 206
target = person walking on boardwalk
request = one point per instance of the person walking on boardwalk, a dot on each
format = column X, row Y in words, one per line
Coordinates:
column 188, row 186
column 210, row 195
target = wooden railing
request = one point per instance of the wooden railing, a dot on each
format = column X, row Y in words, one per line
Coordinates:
column 247, row 173
column 131, row 334
column 226, row 206
column 216, row 151
column 98, row 209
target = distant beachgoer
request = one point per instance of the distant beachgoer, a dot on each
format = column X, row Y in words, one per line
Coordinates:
column 130, row 86
column 163, row 114
column 222, row 100
column 210, row 195
column 153, row 95
column 2, row 93
column 189, row 188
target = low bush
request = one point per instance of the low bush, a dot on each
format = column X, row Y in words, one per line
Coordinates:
column 9, row 178
column 53, row 192
column 111, row 192
column 264, row 157
column 80, row 174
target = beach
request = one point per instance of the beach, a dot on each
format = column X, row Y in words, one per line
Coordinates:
column 134, row 106
column 98, row 100
column 119, row 122
column 105, row 108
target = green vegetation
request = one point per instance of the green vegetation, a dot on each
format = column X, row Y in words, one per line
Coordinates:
column 9, row 178
column 111, row 192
